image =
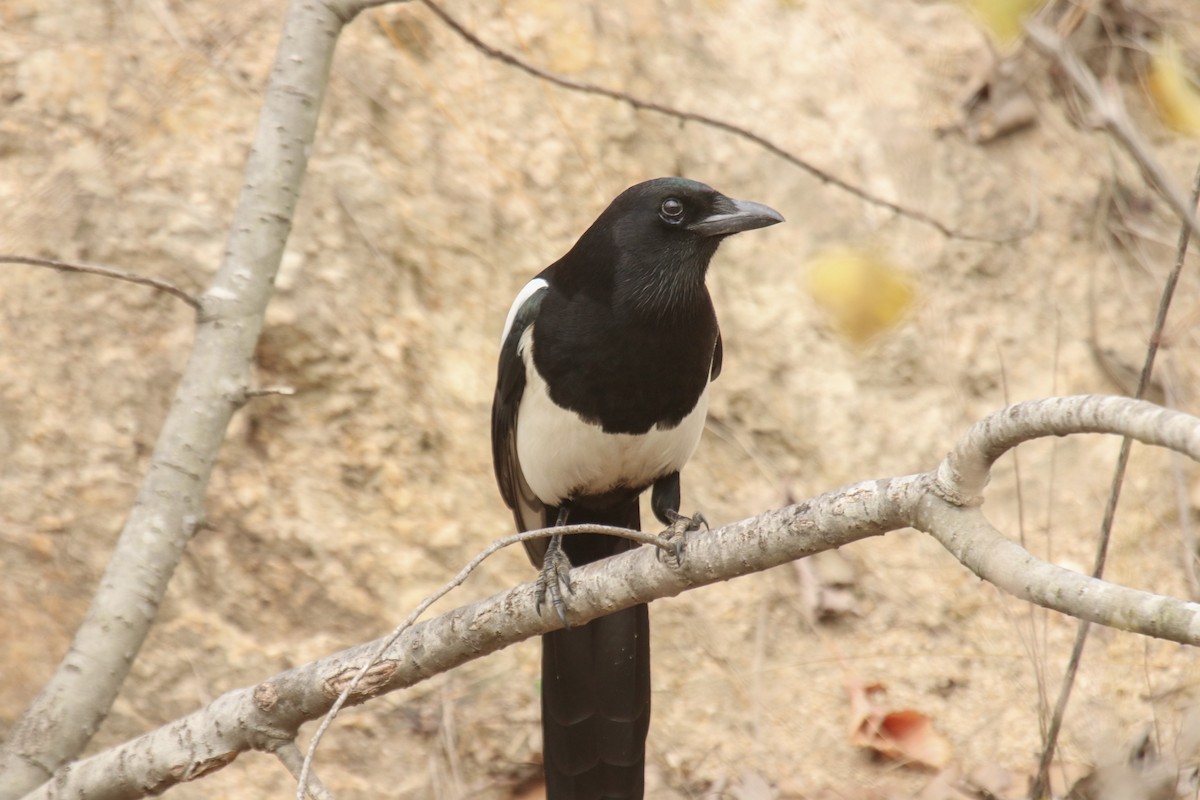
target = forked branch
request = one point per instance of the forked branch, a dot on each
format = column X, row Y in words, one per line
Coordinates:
column 267, row 716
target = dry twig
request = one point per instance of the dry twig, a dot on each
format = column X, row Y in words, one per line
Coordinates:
column 1111, row 113
column 642, row 104
column 1113, row 116
column 264, row 716
column 294, row 760
column 170, row 502
column 565, row 530
column 108, row 272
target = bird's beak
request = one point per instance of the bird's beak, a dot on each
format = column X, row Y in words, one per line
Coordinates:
column 735, row 216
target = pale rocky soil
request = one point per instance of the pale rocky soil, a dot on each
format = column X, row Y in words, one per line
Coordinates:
column 440, row 181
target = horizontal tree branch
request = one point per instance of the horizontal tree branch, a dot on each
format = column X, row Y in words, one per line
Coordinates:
column 268, row 716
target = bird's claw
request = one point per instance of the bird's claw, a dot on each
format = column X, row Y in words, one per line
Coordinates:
column 673, row 536
column 553, row 577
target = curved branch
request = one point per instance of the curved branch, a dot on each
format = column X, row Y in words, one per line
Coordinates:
column 170, row 501
column 713, row 122
column 267, row 716
column 107, row 272
column 965, row 471
column 970, row 538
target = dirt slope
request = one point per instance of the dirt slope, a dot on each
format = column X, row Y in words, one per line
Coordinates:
column 442, row 180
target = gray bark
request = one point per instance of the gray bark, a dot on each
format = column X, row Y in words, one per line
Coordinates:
column 267, row 716
column 170, row 502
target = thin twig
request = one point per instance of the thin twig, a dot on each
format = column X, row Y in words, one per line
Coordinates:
column 720, row 124
column 1111, row 112
column 108, row 272
column 265, row 391
column 293, row 759
column 170, row 502
column 1042, row 782
column 565, row 530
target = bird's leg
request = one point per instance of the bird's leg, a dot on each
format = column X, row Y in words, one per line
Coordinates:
column 555, row 572
column 664, row 501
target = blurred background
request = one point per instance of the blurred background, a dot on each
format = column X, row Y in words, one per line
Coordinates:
column 858, row 344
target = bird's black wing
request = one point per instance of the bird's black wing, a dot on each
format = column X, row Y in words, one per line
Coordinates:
column 718, row 357
column 510, row 385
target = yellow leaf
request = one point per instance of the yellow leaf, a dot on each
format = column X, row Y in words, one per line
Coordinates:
column 1002, row 18
column 862, row 293
column 1175, row 97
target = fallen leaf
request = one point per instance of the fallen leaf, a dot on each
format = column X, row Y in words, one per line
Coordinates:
column 905, row 735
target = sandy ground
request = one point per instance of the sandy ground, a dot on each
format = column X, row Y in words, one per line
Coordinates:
column 440, row 181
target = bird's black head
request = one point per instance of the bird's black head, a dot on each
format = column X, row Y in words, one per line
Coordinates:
column 654, row 242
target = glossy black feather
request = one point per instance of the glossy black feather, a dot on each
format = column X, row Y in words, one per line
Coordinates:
column 624, row 335
column 596, row 684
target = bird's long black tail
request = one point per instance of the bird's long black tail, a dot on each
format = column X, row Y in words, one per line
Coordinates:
column 596, row 684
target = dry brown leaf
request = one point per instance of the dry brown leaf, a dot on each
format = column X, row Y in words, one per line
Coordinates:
column 905, row 735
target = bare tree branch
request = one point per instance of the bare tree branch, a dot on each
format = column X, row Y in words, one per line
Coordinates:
column 108, row 272
column 267, row 716
column 1110, row 110
column 298, row 765
column 1111, row 114
column 495, row 547
column 1041, row 783
column 170, row 502
column 642, row 104
column 964, row 473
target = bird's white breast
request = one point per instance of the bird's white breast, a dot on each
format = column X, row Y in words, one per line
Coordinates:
column 562, row 456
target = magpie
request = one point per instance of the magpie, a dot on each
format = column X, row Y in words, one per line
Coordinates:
column 601, row 393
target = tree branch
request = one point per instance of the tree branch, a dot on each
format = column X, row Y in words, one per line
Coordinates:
column 296, row 764
column 108, row 272
column 965, row 471
column 719, row 124
column 265, row 716
column 564, row 530
column 1111, row 113
column 170, row 501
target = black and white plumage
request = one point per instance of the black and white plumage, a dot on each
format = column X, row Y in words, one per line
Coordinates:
column 601, row 393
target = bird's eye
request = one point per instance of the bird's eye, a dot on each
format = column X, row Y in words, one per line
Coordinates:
column 671, row 210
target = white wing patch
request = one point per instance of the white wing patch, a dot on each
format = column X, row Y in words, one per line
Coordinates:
column 522, row 296
column 562, row 455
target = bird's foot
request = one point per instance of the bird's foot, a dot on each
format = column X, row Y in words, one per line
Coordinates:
column 555, row 575
column 673, row 535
